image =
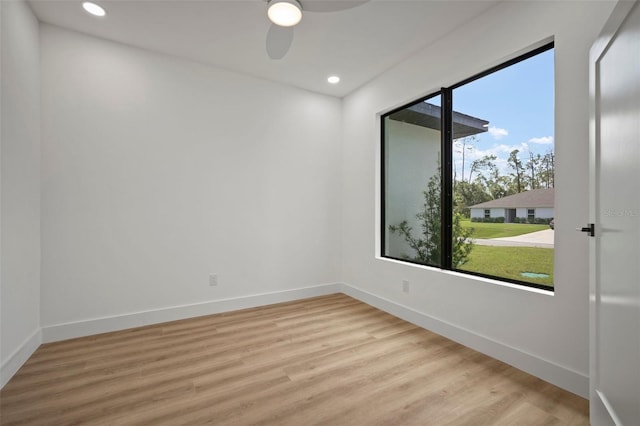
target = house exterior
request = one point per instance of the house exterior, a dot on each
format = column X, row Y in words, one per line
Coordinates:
column 528, row 205
column 411, row 136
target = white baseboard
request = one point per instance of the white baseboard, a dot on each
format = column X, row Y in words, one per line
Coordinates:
column 19, row 357
column 558, row 375
column 53, row 333
column 546, row 370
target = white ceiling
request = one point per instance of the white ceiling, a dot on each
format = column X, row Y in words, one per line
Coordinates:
column 356, row 44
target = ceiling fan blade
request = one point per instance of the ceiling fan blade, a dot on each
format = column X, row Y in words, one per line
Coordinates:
column 330, row 5
column 279, row 41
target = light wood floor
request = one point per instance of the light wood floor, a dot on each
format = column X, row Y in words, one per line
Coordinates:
column 329, row 360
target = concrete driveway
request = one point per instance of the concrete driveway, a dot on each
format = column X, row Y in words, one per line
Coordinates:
column 541, row 239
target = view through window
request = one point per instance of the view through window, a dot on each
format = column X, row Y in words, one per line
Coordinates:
column 469, row 174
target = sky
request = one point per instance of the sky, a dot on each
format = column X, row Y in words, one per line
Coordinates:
column 518, row 102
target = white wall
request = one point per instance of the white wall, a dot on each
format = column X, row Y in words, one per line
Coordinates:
column 158, row 171
column 541, row 333
column 408, row 147
column 476, row 213
column 544, row 212
column 20, row 188
column 498, row 213
column 494, row 212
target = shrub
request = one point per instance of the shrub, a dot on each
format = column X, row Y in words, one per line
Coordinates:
column 427, row 243
column 488, row 219
column 536, row 220
column 542, row 220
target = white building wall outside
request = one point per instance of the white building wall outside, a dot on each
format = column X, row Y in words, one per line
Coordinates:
column 412, row 158
column 544, row 212
column 477, row 213
column 541, row 212
column 497, row 213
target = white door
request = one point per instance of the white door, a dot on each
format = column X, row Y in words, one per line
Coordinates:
column 615, row 210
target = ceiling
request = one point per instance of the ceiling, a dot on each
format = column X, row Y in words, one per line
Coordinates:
column 357, row 44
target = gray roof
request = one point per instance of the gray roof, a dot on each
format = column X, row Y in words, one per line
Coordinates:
column 542, row 197
column 428, row 115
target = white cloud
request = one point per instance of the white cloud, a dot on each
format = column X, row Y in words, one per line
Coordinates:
column 545, row 140
column 497, row 132
column 498, row 150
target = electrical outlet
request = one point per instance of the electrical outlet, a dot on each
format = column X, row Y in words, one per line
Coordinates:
column 213, row 280
column 405, row 286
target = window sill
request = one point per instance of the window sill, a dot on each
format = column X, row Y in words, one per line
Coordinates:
column 483, row 280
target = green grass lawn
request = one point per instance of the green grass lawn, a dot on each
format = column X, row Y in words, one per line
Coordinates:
column 499, row 230
column 510, row 262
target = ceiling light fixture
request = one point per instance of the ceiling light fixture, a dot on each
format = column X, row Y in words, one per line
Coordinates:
column 285, row 13
column 94, row 9
column 334, row 79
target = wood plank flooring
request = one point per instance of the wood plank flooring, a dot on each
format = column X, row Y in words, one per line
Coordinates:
column 329, row 360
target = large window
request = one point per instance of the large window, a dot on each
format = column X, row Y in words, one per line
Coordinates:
column 468, row 175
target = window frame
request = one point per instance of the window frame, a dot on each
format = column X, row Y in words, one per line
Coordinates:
column 446, row 174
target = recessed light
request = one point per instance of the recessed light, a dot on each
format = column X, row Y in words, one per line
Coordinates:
column 334, row 79
column 94, row 9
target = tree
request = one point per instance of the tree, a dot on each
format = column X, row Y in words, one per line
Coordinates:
column 467, row 194
column 462, row 243
column 464, row 145
column 501, row 187
column 532, row 166
column 495, row 185
column 484, row 163
column 546, row 169
column 516, row 164
column 428, row 244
